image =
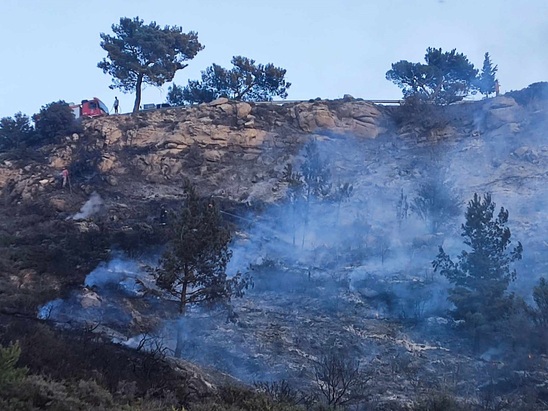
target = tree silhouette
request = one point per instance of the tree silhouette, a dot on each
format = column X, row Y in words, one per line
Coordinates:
column 55, row 120
column 247, row 80
column 435, row 204
column 482, row 273
column 446, row 77
column 139, row 53
column 15, row 131
column 486, row 79
column 193, row 268
column 340, row 380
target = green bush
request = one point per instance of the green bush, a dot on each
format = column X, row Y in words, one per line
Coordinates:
column 9, row 373
column 421, row 115
column 15, row 132
column 55, row 120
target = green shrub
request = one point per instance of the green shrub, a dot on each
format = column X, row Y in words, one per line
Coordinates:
column 55, row 120
column 15, row 132
column 418, row 114
column 9, row 373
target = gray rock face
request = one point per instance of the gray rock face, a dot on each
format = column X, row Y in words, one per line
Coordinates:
column 502, row 111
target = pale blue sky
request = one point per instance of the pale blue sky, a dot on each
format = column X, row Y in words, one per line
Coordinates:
column 50, row 48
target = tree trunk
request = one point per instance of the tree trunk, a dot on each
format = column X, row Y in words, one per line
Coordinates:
column 182, row 311
column 306, row 215
column 182, row 302
column 179, row 342
column 138, row 93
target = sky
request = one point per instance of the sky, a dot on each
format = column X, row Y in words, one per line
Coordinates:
column 329, row 48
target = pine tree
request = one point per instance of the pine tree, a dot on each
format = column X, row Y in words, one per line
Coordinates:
column 141, row 53
column 194, row 266
column 15, row 131
column 486, row 80
column 539, row 315
column 9, row 372
column 246, row 81
column 540, row 295
column 481, row 274
column 446, row 77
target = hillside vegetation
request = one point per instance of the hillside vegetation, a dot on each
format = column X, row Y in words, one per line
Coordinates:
column 336, row 210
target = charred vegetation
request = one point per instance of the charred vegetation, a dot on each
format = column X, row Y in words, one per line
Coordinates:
column 345, row 267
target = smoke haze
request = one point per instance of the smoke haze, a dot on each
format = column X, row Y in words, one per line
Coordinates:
column 343, row 274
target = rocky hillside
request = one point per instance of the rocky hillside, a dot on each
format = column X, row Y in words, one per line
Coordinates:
column 231, row 149
column 334, row 290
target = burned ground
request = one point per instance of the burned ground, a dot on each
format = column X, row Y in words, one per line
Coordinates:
column 356, row 278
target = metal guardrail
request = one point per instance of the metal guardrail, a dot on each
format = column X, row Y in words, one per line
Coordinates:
column 276, row 102
column 281, row 102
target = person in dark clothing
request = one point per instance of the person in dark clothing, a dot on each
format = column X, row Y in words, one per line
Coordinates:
column 116, row 103
column 163, row 214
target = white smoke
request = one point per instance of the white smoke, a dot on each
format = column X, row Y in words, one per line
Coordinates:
column 93, row 206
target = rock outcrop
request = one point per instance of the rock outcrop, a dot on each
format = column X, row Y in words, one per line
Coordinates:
column 238, row 145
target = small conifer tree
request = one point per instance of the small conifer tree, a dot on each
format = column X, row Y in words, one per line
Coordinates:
column 9, row 372
column 194, row 266
column 486, row 79
column 482, row 273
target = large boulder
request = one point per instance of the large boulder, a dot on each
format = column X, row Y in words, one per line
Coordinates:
column 502, row 111
column 314, row 116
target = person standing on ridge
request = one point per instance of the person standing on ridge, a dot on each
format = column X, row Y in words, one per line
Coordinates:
column 116, row 103
column 497, row 88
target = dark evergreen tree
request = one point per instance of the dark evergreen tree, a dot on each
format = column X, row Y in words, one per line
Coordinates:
column 487, row 78
column 175, row 96
column 482, row 273
column 539, row 315
column 9, row 372
column 55, row 120
column 446, row 77
column 194, row 266
column 540, row 296
column 149, row 54
column 15, row 131
column 434, row 204
column 246, row 81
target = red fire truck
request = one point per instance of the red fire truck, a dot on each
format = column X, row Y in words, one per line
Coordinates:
column 89, row 108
